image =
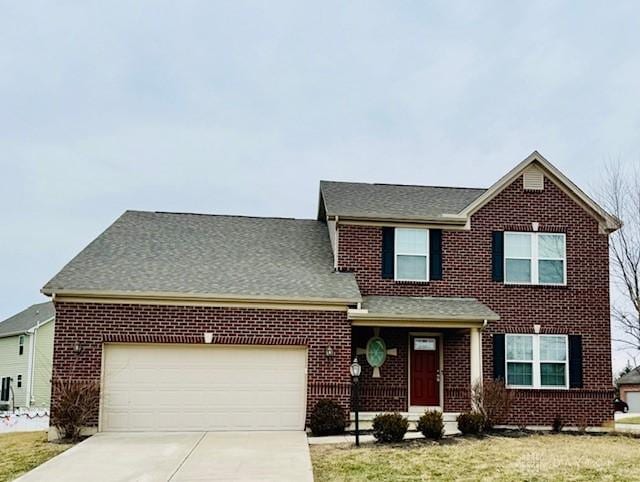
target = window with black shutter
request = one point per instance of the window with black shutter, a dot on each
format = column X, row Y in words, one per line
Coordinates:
column 536, row 360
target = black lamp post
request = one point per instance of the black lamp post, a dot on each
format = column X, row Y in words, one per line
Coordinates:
column 355, row 370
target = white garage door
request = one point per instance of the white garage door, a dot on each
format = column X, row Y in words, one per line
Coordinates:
column 633, row 400
column 203, row 387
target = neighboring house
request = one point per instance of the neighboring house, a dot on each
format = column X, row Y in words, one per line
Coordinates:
column 26, row 351
column 203, row 322
column 629, row 385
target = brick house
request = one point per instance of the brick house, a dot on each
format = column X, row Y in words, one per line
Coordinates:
column 202, row 322
column 629, row 386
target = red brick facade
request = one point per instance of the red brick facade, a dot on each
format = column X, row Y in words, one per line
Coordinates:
column 581, row 307
column 94, row 324
column 626, row 389
column 391, row 390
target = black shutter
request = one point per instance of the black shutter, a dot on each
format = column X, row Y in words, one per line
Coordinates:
column 497, row 251
column 4, row 394
column 435, row 254
column 498, row 356
column 388, row 235
column 575, row 361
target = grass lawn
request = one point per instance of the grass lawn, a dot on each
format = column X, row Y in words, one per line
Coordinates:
column 630, row 420
column 496, row 457
column 22, row 451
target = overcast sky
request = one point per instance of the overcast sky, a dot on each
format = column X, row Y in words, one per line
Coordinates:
column 242, row 107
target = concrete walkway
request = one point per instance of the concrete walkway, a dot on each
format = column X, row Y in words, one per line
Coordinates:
column 351, row 439
column 147, row 457
column 450, row 428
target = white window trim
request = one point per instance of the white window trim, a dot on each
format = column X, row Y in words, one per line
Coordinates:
column 396, row 253
column 536, row 361
column 21, row 345
column 535, row 258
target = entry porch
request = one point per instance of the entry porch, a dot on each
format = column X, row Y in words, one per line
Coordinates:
column 418, row 354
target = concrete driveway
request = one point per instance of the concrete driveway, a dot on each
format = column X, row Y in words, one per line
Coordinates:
column 238, row 456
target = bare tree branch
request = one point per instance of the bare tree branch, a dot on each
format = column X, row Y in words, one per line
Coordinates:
column 620, row 195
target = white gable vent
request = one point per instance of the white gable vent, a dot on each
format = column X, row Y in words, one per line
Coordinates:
column 533, row 179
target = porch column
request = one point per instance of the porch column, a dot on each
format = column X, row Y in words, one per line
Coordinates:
column 476, row 357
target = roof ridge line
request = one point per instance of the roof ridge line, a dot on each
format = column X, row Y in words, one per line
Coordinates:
column 244, row 216
column 405, row 185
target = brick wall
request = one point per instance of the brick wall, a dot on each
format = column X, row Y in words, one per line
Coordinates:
column 582, row 307
column 93, row 324
column 624, row 389
column 390, row 392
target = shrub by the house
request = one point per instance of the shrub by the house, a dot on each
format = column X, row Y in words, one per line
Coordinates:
column 431, row 425
column 471, row 423
column 390, row 427
column 492, row 400
column 75, row 404
column 558, row 423
column 327, row 418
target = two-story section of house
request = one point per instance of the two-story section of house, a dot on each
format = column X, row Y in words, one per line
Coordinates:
column 197, row 322
column 510, row 282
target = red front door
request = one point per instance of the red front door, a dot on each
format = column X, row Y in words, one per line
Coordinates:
column 425, row 362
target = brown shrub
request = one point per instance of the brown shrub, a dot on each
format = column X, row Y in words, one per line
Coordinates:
column 492, row 400
column 74, row 406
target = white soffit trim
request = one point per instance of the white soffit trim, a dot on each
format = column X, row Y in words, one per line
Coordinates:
column 608, row 222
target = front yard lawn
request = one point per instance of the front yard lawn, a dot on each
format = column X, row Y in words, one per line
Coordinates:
column 23, row 451
column 632, row 420
column 497, row 458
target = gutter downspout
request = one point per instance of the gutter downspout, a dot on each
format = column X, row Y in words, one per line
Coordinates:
column 32, row 348
column 336, row 264
column 32, row 361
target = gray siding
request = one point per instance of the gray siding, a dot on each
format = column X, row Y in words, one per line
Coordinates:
column 13, row 364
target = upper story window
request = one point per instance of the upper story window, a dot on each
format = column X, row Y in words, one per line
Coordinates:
column 411, row 254
column 535, row 258
column 21, row 345
column 537, row 361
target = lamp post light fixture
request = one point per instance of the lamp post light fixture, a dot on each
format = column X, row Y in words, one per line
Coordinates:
column 355, row 371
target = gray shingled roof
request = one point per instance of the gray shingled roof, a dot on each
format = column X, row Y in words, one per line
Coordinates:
column 429, row 307
column 390, row 201
column 631, row 378
column 209, row 255
column 27, row 319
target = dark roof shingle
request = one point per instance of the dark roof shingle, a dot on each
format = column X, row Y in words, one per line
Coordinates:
column 429, row 307
column 151, row 252
column 631, row 378
column 27, row 319
column 391, row 201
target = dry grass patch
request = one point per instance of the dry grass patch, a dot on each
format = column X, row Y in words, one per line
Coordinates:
column 493, row 458
column 24, row 451
column 631, row 420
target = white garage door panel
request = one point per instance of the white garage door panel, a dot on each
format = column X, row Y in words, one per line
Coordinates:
column 633, row 400
column 204, row 387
